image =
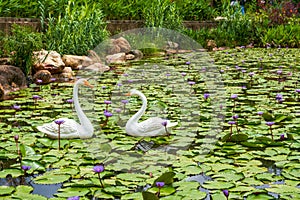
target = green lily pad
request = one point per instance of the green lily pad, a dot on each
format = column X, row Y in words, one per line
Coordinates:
column 4, row 190
column 51, row 179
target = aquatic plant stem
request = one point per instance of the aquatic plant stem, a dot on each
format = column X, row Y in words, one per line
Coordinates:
column 58, row 137
column 271, row 133
column 100, row 180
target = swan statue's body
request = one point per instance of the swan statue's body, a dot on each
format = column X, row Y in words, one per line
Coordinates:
column 70, row 128
column 150, row 127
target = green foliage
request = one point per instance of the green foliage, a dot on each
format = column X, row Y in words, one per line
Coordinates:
column 196, row 10
column 80, row 29
column 162, row 14
column 20, row 46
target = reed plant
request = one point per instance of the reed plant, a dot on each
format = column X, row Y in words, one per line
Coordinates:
column 79, row 29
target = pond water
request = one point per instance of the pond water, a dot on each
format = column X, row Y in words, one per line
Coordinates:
column 221, row 143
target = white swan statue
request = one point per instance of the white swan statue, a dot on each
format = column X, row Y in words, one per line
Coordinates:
column 154, row 126
column 70, row 128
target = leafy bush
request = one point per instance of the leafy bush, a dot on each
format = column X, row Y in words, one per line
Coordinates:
column 280, row 11
column 19, row 46
column 80, row 29
column 163, row 14
column 196, row 10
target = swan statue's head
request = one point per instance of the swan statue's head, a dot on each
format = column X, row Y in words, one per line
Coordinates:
column 84, row 82
column 133, row 92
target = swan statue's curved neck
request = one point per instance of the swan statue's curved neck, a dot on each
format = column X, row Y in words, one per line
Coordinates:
column 84, row 121
column 135, row 118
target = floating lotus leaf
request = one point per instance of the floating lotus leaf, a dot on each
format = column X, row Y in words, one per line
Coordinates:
column 28, row 196
column 102, row 195
column 5, row 190
column 259, row 197
column 283, row 189
column 220, row 185
column 13, row 172
column 72, row 191
column 190, row 194
column 149, row 196
column 164, row 191
column 132, row 177
column 117, row 190
column 50, row 178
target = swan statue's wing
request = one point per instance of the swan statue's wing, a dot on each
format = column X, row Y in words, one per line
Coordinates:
column 69, row 129
column 151, row 125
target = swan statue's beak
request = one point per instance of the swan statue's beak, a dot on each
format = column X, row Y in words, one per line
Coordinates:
column 86, row 83
column 128, row 94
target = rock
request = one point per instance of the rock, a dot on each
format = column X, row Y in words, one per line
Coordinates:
column 137, row 54
column 119, row 45
column 211, row 44
column 94, row 56
column 48, row 60
column 5, row 61
column 2, row 92
column 129, row 56
column 116, row 58
column 75, row 62
column 11, row 79
column 43, row 75
column 98, row 67
column 66, row 75
column 13, row 75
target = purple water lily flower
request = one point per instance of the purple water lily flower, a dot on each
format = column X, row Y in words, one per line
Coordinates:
column 260, row 113
column 164, row 123
column 160, row 184
column 279, row 97
column 191, row 82
column 251, row 74
column 107, row 102
column 270, row 123
column 206, row 95
column 16, row 137
column 35, row 97
column 74, row 198
column 188, row 63
column 25, row 167
column 183, row 73
column 39, row 81
column 16, row 107
column 107, row 114
column 282, row 137
column 232, row 122
column 234, row 96
column 297, row 90
column 59, row 121
column 69, row 101
column 124, row 101
column 235, row 117
column 226, row 193
column 98, row 168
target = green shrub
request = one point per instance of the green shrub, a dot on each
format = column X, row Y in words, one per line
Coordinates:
column 162, row 14
column 19, row 46
column 78, row 30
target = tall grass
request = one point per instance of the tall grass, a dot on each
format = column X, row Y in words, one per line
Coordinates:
column 78, row 30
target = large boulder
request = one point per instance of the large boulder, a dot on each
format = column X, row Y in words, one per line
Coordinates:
column 66, row 75
column 48, row 60
column 119, row 45
column 43, row 75
column 116, row 58
column 11, row 79
column 98, row 67
column 76, row 62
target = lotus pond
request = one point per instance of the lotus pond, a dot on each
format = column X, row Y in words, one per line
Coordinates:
column 242, row 140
